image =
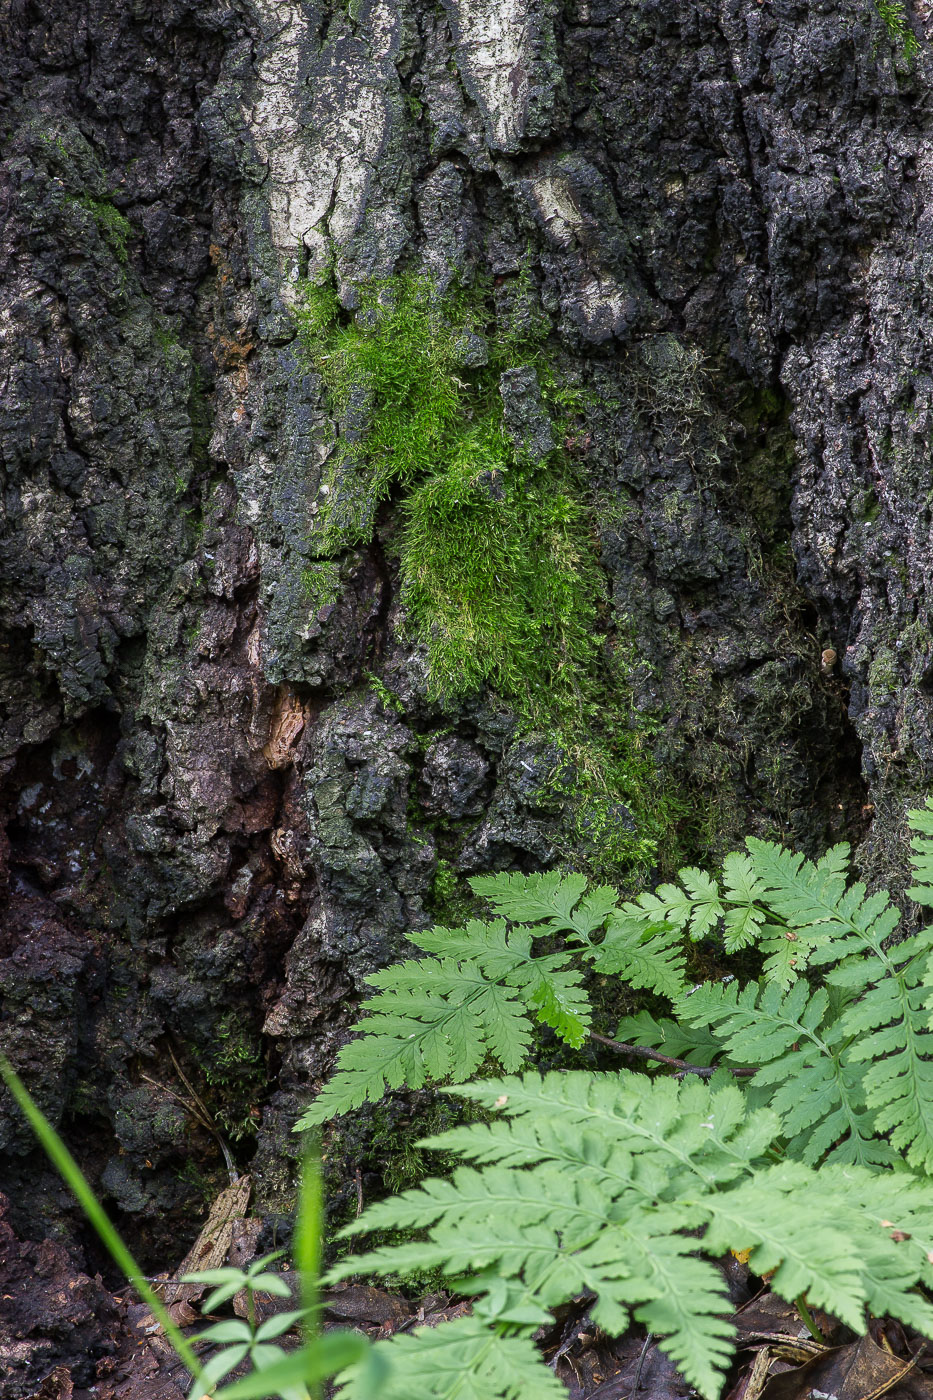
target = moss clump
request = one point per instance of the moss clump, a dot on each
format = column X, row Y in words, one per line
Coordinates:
column 386, row 696
column 235, row 1074
column 894, row 17
column 498, row 575
column 390, row 375
column 322, row 584
column 115, row 228
column 498, row 571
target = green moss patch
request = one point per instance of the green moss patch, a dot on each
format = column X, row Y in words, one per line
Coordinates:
column 449, row 414
column 115, row 229
column 497, row 573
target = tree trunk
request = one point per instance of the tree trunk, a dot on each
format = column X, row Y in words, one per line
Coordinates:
column 227, row 799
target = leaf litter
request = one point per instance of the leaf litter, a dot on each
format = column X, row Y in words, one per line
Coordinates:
column 777, row 1358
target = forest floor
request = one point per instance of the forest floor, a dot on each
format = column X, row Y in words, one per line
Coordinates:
column 51, row 1302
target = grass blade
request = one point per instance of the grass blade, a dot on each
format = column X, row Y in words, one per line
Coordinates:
column 74, row 1178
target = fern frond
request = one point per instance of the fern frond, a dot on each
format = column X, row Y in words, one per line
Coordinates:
column 695, row 905
column 707, row 906
column 820, row 1098
column 758, row 1024
column 438, row 1017
column 888, row 1026
column 679, row 1297
column 921, row 846
column 888, row 1217
column 648, row 956
column 547, row 987
column 641, row 1265
column 422, row 1036
column 459, row 1360
column 828, row 920
column 615, row 1183
column 743, row 889
column 471, row 1196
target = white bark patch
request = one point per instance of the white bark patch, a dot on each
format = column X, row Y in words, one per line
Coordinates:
column 299, row 191
column 557, row 209
column 320, row 133
column 503, row 49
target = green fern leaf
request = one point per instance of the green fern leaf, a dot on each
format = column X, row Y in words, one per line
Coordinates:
column 532, row 899
column 695, row 1045
column 438, row 1017
column 801, row 892
column 459, row 1360
column 424, row 1037
column 679, row 1297
column 708, row 1130
column 820, row 1096
column 766, row 1215
column 828, row 920
column 546, row 985
column 921, row 845
column 707, row 906
column 668, row 904
column 743, row 917
column 758, row 1024
column 469, row 1197
column 889, row 1031
column 556, row 903
column 743, row 927
column 741, row 883
column 614, row 1183
column 889, row 1219
column 645, row 955
column 785, row 957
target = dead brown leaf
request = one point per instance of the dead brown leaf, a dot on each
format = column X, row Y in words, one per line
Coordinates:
column 58, row 1385
column 860, row 1370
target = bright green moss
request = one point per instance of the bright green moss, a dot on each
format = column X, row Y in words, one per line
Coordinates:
column 498, row 573
column 391, row 379
column 893, row 14
column 322, row 584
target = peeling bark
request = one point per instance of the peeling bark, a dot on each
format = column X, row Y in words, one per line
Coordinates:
column 215, row 827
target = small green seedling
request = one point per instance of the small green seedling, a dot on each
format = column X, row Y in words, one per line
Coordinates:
column 295, row 1375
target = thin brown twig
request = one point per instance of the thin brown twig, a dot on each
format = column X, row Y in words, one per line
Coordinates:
column 189, row 1107
column 232, row 1172
column 642, row 1053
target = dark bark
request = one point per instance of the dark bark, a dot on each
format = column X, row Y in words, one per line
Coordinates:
column 214, row 827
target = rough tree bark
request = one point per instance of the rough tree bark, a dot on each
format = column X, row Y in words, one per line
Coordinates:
column 214, row 826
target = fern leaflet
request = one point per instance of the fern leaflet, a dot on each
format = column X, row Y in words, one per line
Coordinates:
column 459, row 1360
column 695, row 1045
column 438, row 1017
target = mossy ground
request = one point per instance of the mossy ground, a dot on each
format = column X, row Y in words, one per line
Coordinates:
column 499, row 574
column 381, row 1141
